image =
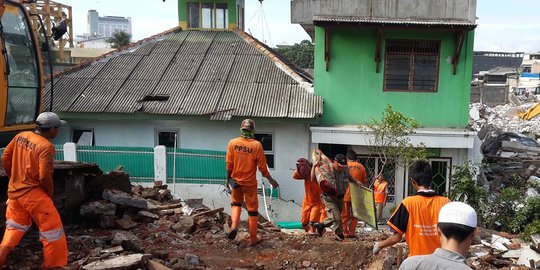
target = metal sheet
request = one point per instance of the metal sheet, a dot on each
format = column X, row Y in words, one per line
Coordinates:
column 238, row 99
column 97, row 96
column 215, row 68
column 151, row 67
column 197, row 42
column 127, row 99
column 363, row 204
column 304, row 104
column 119, row 67
column 183, row 67
column 272, row 101
column 345, row 19
column 176, row 90
column 245, row 68
column 270, row 73
column 202, row 98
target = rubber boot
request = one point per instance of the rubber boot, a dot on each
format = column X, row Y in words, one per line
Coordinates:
column 254, row 238
column 352, row 228
column 4, row 253
column 235, row 218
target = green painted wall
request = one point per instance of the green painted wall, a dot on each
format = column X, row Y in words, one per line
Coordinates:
column 232, row 9
column 353, row 91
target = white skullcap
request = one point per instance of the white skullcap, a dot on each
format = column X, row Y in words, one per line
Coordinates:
column 458, row 213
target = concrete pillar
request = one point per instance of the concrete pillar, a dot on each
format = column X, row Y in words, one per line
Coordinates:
column 70, row 151
column 160, row 164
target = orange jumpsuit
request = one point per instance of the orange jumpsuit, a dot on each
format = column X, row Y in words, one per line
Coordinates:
column 243, row 158
column 312, row 206
column 28, row 161
column 380, row 188
column 358, row 172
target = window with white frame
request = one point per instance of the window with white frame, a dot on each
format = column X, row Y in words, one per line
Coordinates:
column 167, row 138
column 267, row 141
column 82, row 136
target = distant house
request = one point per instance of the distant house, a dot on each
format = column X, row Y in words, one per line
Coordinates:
column 414, row 55
column 191, row 89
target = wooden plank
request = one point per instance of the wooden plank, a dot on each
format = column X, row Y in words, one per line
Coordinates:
column 209, row 212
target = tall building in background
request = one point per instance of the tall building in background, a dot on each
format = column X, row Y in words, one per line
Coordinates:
column 107, row 25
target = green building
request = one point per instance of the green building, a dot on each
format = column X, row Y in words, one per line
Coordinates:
column 211, row 14
column 415, row 55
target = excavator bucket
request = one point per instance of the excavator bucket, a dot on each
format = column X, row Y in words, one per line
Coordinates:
column 531, row 113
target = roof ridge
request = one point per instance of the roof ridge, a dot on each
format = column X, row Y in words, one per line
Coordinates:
column 288, row 67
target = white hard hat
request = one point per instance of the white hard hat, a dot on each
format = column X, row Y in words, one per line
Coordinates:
column 49, row 120
column 458, row 213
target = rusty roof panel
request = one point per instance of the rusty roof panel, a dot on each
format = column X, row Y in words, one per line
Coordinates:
column 152, row 67
column 183, row 67
column 97, row 95
column 202, row 98
column 119, row 67
column 245, row 68
column 272, row 100
column 128, row 96
column 175, row 90
column 215, row 68
column 304, row 104
column 270, row 73
column 238, row 99
column 197, row 42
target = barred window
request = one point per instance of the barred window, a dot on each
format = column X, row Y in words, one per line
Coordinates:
column 412, row 65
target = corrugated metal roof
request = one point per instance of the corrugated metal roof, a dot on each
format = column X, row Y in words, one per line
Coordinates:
column 218, row 74
column 346, row 19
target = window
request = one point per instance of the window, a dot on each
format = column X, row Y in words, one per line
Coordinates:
column 208, row 15
column 167, row 138
column 82, row 136
column 412, row 65
column 267, row 142
column 240, row 22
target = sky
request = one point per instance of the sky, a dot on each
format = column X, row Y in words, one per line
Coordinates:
column 502, row 25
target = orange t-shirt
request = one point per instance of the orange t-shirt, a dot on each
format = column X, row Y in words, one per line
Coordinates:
column 357, row 171
column 312, row 189
column 417, row 217
column 243, row 157
column 28, row 161
column 379, row 188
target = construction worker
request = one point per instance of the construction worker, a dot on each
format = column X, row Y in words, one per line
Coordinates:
column 417, row 216
column 312, row 203
column 456, row 228
column 380, row 189
column 358, row 172
column 28, row 162
column 244, row 156
column 333, row 178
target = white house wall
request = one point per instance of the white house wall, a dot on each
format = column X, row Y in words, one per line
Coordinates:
column 291, row 141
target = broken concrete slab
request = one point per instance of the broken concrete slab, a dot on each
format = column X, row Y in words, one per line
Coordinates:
column 514, row 254
column 528, row 255
column 536, row 239
column 123, row 236
column 111, row 180
column 97, row 209
column 146, row 217
column 116, row 249
column 498, row 242
column 107, row 222
column 185, row 224
column 126, row 223
column 118, row 263
column 192, row 259
column 124, row 199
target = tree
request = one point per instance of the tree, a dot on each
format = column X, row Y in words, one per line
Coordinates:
column 119, row 39
column 390, row 142
column 301, row 54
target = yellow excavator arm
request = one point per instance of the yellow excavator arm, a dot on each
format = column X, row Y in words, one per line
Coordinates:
column 531, row 113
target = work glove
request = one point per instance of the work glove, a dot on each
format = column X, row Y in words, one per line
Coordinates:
column 376, row 248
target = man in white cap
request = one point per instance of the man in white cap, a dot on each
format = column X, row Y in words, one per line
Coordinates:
column 456, row 228
column 28, row 162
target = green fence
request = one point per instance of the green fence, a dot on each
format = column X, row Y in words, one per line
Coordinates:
column 195, row 166
column 138, row 162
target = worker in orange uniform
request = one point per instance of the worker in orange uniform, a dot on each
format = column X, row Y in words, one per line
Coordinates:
column 358, row 172
column 380, row 188
column 28, row 162
column 244, row 156
column 312, row 205
column 417, row 216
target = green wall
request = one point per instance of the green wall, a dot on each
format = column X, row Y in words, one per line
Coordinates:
column 353, row 91
column 232, row 8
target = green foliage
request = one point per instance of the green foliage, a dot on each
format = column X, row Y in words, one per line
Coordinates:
column 528, row 214
column 119, row 39
column 531, row 229
column 390, row 141
column 501, row 213
column 465, row 188
column 301, row 54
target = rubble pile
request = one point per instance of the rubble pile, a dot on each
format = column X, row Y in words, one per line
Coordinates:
column 504, row 118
